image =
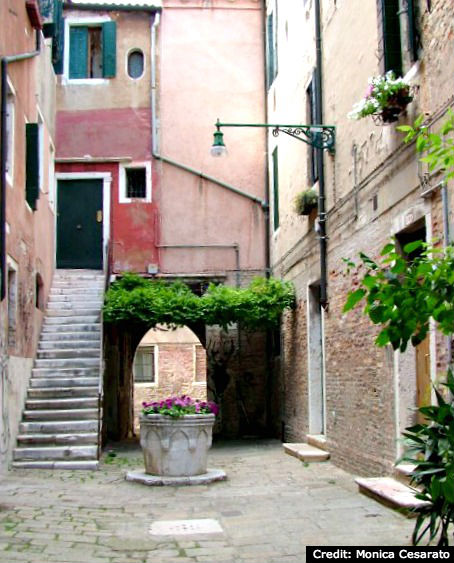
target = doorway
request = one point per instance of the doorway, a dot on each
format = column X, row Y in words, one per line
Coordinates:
column 316, row 375
column 80, row 224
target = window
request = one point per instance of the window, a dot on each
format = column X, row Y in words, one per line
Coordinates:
column 12, row 304
column 135, row 182
column 33, row 151
column 144, row 365
column 271, row 48
column 275, row 190
column 92, row 50
column 398, row 41
column 135, row 64
column 200, row 375
column 311, row 111
column 10, row 121
column 39, row 292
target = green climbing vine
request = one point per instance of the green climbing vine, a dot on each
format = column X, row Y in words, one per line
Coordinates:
column 137, row 300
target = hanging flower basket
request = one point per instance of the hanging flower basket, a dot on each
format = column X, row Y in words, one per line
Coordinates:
column 386, row 98
column 306, row 201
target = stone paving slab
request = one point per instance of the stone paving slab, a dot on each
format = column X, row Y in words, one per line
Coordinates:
column 269, row 509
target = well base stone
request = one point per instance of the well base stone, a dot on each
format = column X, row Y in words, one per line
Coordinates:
column 210, row 476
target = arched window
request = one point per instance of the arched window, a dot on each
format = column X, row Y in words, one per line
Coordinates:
column 135, row 64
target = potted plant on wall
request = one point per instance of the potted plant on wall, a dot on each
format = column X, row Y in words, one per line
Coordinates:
column 386, row 98
column 306, row 201
column 175, row 436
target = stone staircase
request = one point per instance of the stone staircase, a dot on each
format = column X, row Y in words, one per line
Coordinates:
column 60, row 423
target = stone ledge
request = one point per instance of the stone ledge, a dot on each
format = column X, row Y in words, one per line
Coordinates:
column 210, row 476
column 305, row 452
column 318, row 441
column 390, row 492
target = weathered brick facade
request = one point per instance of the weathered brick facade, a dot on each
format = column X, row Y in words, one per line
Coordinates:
column 374, row 188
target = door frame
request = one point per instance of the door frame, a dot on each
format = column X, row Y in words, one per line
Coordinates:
column 106, row 178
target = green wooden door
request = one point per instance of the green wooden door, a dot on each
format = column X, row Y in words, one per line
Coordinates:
column 79, row 224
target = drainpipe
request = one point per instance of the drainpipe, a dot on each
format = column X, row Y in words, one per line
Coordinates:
column 446, row 242
column 320, row 163
column 3, row 152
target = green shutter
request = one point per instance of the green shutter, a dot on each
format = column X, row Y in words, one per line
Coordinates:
column 32, row 164
column 58, row 38
column 271, row 49
column 109, row 49
column 391, row 36
column 275, row 190
column 412, row 30
column 78, row 52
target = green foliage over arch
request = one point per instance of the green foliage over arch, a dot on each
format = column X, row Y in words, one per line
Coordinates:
column 136, row 300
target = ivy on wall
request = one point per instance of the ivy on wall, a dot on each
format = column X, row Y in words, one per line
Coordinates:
column 136, row 300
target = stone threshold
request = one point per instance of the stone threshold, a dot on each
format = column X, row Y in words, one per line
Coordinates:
column 306, row 452
column 391, row 493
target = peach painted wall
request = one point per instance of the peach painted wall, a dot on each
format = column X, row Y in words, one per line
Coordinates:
column 210, row 65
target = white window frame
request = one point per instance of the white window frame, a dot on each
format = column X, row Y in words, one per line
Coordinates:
column 194, row 379
column 134, row 49
column 40, row 122
column 156, row 364
column 51, row 183
column 91, row 21
column 10, row 132
column 122, row 187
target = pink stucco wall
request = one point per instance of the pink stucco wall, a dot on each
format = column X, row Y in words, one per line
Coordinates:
column 210, row 66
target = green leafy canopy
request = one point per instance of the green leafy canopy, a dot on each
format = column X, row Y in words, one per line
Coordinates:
column 136, row 300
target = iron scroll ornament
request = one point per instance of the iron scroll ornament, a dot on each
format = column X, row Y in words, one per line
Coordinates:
column 320, row 137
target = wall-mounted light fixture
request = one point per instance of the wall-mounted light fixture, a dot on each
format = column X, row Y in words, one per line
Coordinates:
column 318, row 136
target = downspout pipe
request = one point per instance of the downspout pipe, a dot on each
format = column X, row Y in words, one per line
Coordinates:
column 447, row 241
column 155, row 134
column 5, row 61
column 321, row 162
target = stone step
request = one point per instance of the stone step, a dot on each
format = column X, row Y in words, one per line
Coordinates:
column 318, row 441
column 73, row 438
column 65, row 353
column 62, row 414
column 53, row 332
column 58, row 427
column 50, row 382
column 305, row 452
column 390, row 492
column 70, row 363
column 92, row 371
column 55, row 453
column 71, row 320
column 77, row 284
column 47, row 345
column 76, row 292
column 62, row 403
column 62, row 392
column 93, row 464
column 78, row 301
column 403, row 471
column 64, row 313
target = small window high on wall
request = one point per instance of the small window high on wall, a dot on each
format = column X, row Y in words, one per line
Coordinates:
column 135, row 64
column 92, row 50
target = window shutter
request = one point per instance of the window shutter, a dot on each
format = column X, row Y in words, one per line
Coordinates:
column 315, row 119
column 271, row 51
column 275, row 190
column 412, row 30
column 391, row 36
column 78, row 52
column 109, row 49
column 32, row 164
column 58, row 37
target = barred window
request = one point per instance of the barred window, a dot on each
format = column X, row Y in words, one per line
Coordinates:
column 144, row 365
column 136, row 183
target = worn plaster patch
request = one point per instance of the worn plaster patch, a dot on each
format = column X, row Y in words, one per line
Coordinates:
column 185, row 527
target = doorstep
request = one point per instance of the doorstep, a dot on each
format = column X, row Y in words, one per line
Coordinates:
column 391, row 492
column 306, row 452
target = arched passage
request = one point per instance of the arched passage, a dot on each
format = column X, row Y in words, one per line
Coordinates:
column 168, row 362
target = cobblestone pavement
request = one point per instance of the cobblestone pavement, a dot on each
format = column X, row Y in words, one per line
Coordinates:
column 269, row 509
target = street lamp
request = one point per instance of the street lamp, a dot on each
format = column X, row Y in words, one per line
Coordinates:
column 317, row 136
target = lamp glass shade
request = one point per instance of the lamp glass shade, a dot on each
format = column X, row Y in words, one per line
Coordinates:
column 218, row 147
